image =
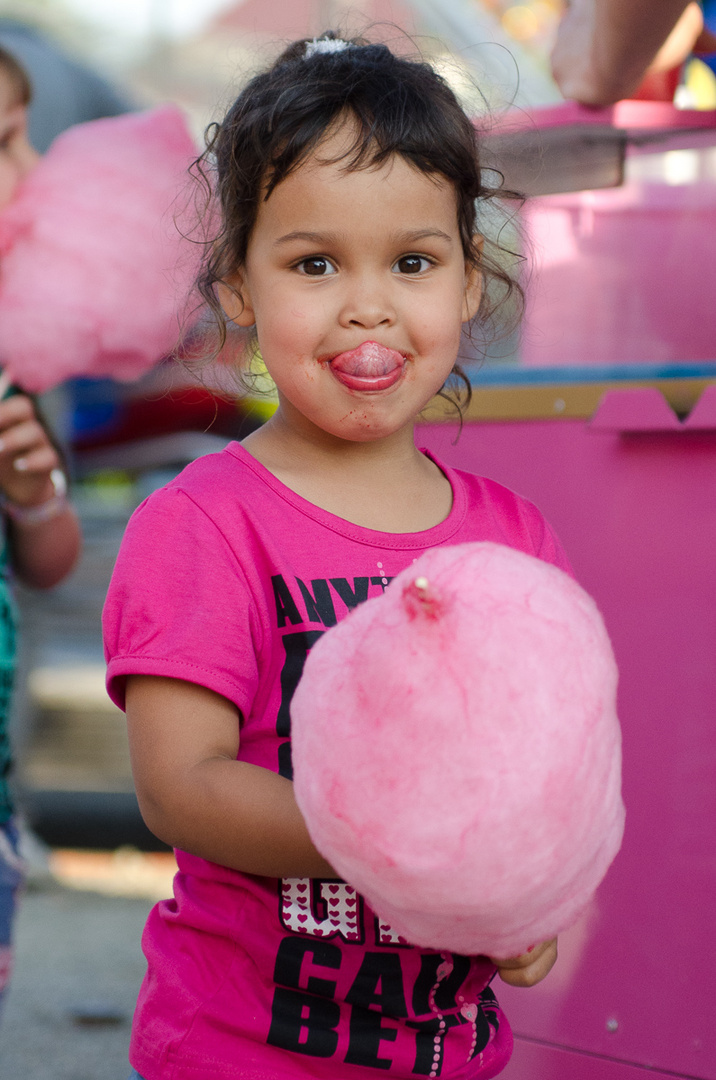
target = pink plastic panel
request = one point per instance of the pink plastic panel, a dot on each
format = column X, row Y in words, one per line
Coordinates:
column 703, row 414
column 636, row 981
column 531, row 1061
column 636, row 118
column 643, row 409
column 646, row 409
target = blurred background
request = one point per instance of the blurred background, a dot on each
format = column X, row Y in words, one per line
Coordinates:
column 620, row 302
column 94, row 869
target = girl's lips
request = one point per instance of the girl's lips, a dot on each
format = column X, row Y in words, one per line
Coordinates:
column 369, row 367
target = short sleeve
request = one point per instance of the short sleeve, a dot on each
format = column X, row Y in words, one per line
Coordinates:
column 551, row 550
column 179, row 605
column 533, row 532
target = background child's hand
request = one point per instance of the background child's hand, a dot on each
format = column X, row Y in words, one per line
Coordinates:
column 44, row 532
column 529, row 968
column 27, row 457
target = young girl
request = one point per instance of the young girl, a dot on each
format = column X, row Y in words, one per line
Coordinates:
column 348, row 181
column 40, row 533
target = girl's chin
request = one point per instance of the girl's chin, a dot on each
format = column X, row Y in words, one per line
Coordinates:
column 366, row 426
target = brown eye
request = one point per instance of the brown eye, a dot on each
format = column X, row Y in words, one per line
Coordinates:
column 316, row 267
column 412, row 264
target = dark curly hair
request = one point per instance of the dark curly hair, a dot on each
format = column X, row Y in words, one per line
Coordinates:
column 398, row 106
column 18, row 77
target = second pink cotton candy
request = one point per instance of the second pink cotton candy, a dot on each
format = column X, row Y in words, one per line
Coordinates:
column 95, row 266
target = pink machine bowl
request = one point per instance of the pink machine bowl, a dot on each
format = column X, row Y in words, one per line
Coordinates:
column 624, row 275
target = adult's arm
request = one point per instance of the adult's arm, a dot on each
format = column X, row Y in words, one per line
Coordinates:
column 604, row 47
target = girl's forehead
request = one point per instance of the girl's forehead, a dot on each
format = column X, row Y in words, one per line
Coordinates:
column 365, row 210
column 344, row 150
column 341, row 141
column 328, row 182
column 331, row 194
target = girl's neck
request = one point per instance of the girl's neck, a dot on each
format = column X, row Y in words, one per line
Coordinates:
column 386, row 485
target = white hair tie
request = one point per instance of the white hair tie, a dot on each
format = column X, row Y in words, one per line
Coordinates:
column 325, row 45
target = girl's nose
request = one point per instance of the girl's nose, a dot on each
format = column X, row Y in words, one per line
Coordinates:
column 367, row 304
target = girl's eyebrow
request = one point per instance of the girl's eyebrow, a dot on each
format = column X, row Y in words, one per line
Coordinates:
column 410, row 237
column 423, row 234
column 311, row 237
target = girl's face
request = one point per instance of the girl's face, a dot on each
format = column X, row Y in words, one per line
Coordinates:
column 17, row 157
column 358, row 287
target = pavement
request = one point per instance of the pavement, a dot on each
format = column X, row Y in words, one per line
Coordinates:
column 78, row 960
column 79, row 965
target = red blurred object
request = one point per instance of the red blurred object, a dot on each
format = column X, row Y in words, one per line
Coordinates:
column 659, row 85
column 184, row 409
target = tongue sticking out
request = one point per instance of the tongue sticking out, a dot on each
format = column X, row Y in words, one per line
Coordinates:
column 369, row 367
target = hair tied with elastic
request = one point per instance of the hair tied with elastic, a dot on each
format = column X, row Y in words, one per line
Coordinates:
column 325, row 45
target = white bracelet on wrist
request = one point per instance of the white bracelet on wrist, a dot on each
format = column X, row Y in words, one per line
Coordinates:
column 36, row 515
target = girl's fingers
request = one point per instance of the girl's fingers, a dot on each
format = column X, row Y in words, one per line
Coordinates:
column 529, row 957
column 529, row 968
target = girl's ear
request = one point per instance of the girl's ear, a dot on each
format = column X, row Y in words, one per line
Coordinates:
column 474, row 285
column 234, row 299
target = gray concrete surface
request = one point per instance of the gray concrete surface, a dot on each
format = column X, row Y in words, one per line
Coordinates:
column 77, row 972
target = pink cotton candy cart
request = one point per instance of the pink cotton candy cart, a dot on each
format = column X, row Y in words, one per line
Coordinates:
column 607, row 420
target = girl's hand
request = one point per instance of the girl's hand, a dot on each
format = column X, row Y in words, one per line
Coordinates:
column 529, row 968
column 27, row 457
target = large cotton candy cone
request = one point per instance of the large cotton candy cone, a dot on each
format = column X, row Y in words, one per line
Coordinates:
column 457, row 751
column 94, row 273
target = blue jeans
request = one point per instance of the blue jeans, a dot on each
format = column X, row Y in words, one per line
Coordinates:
column 134, row 1075
column 11, row 878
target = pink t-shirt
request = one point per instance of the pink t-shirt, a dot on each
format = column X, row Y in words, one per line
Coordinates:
column 226, row 578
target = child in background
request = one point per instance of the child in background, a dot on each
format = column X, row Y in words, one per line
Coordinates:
column 41, row 537
column 17, row 156
column 349, row 182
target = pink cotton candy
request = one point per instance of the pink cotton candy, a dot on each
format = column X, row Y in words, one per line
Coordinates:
column 457, row 752
column 94, row 273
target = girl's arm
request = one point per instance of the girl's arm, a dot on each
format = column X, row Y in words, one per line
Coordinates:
column 43, row 529
column 194, row 795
